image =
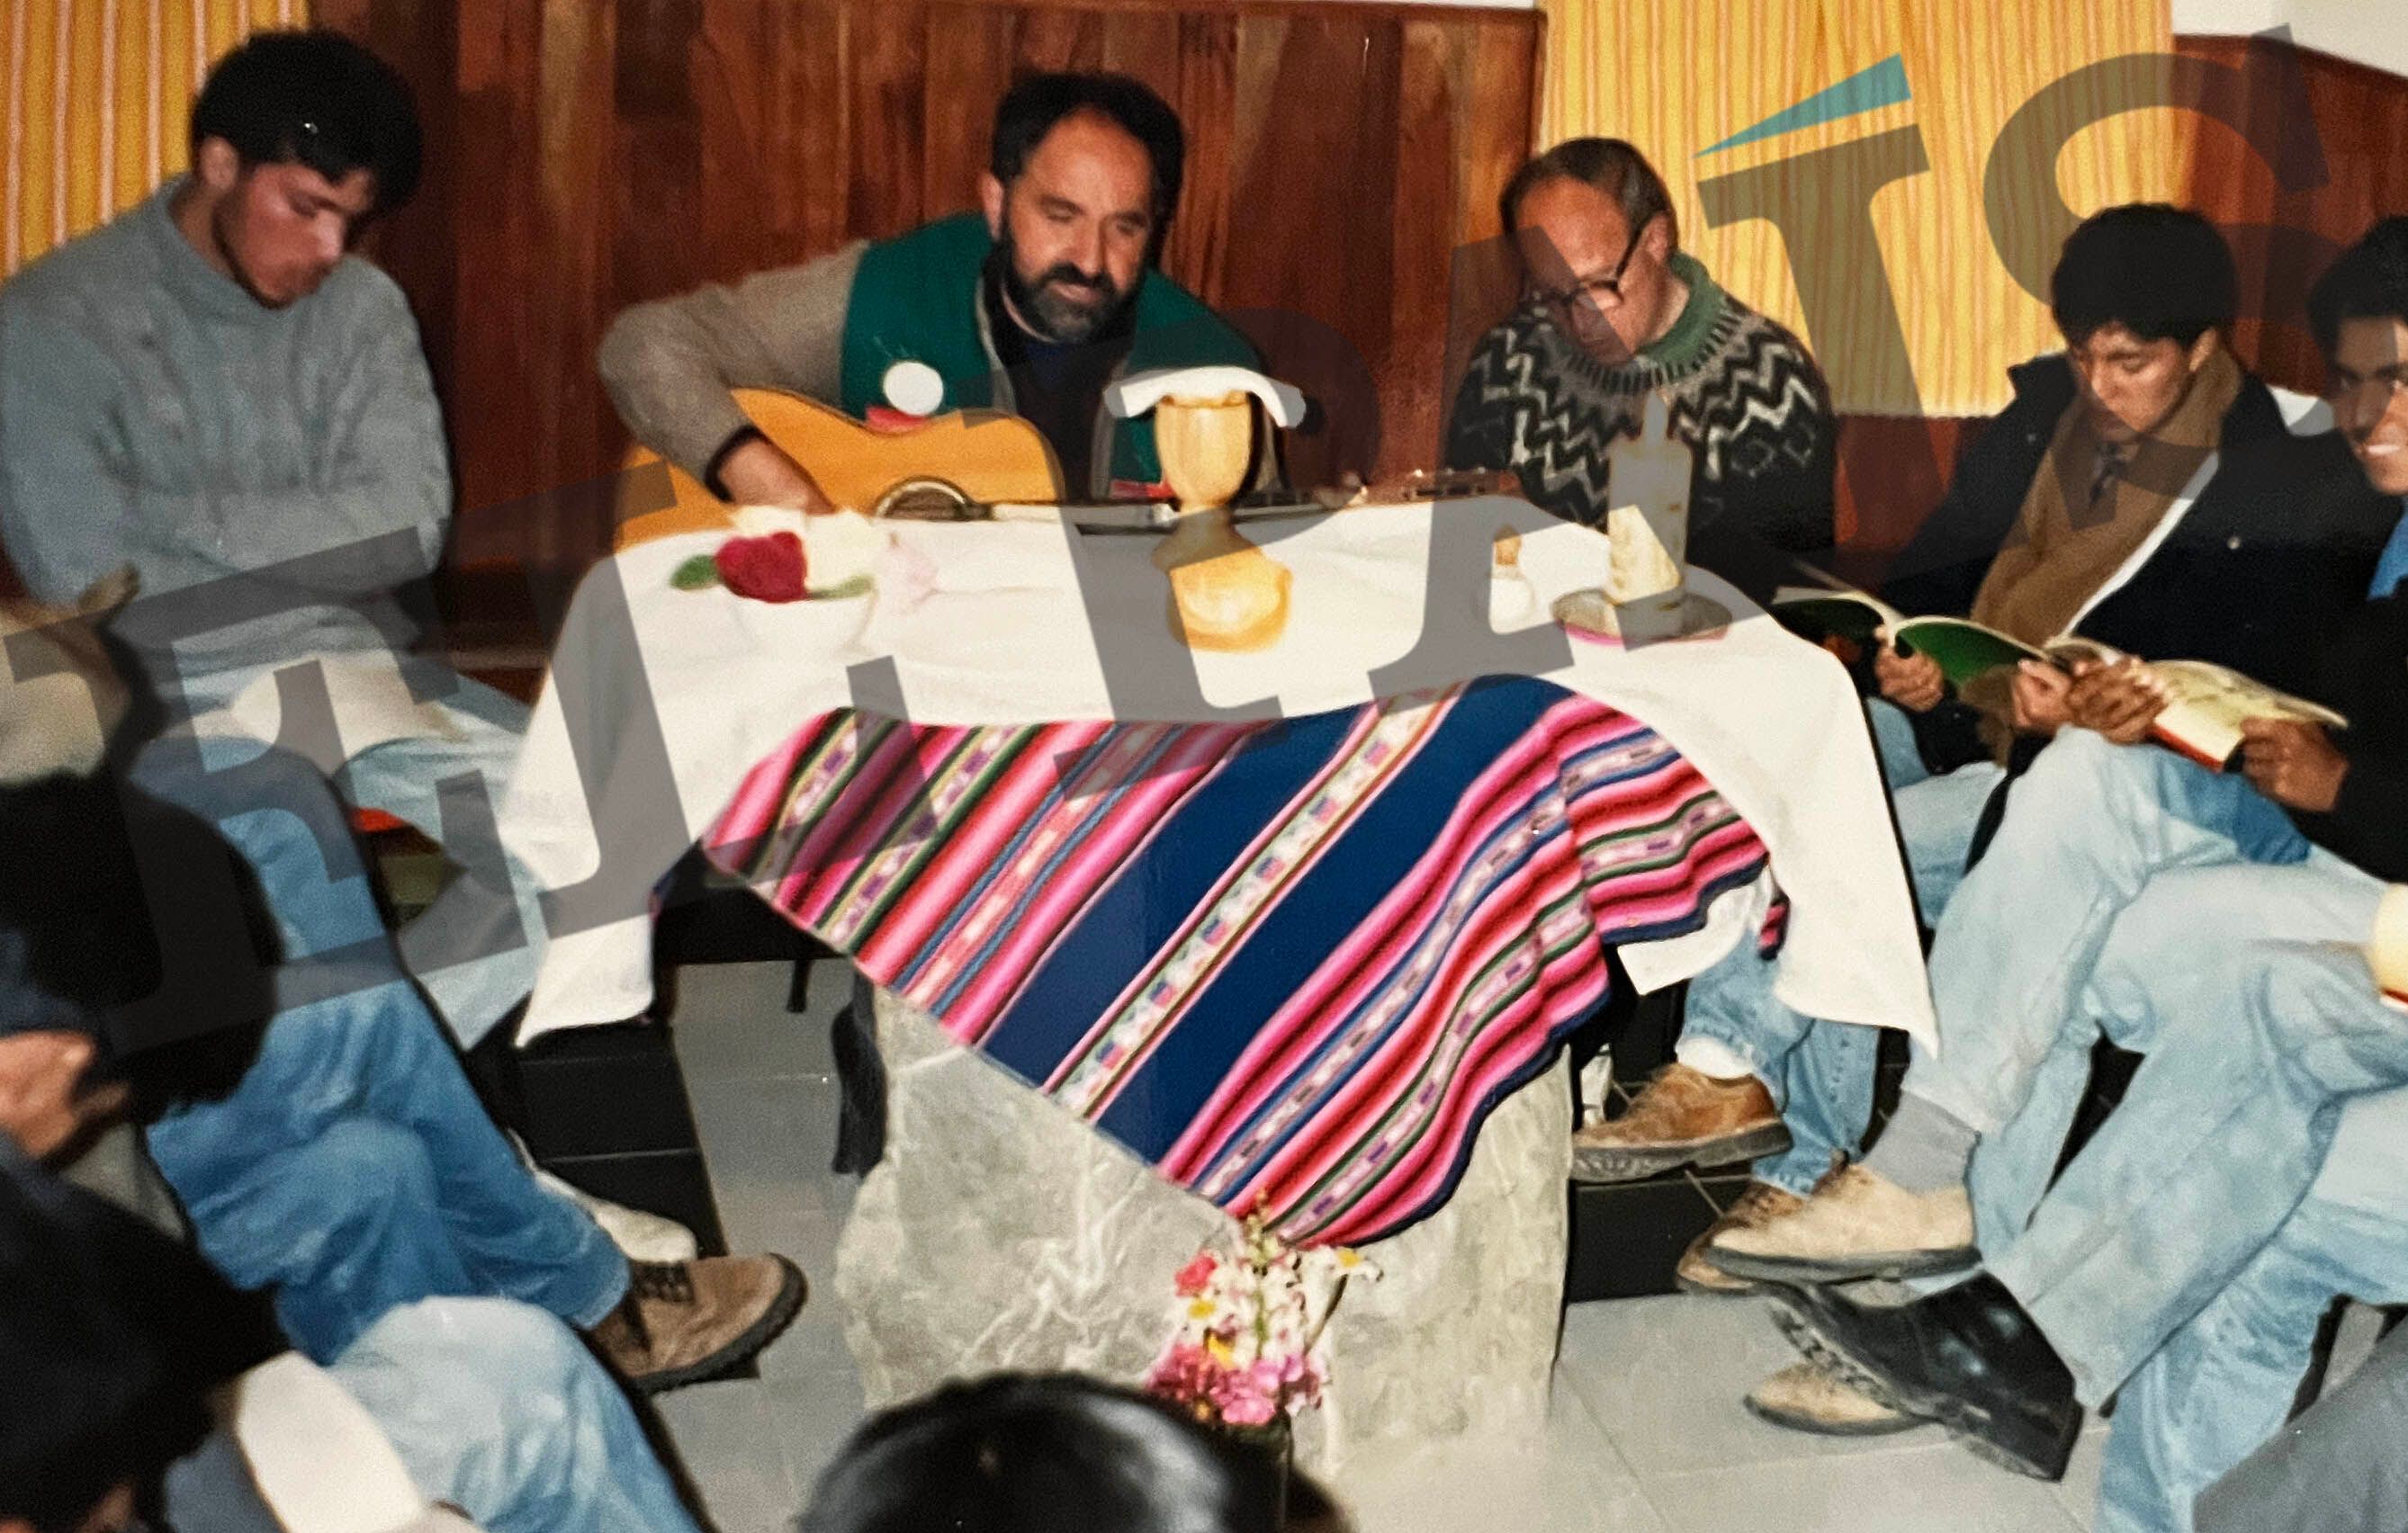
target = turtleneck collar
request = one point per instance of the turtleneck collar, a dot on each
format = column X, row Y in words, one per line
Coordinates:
column 1679, row 352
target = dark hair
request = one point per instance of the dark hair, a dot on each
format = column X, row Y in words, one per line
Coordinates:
column 2162, row 272
column 1608, row 165
column 319, row 99
column 2370, row 282
column 1032, row 107
column 114, row 1336
column 1042, row 1454
column 84, row 946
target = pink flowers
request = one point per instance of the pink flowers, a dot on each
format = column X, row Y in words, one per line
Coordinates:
column 1195, row 1274
column 1245, row 1347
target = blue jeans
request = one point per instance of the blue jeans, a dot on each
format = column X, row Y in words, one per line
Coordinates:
column 2224, row 1383
column 1821, row 1073
column 476, row 950
column 497, row 1409
column 353, row 1166
column 2086, row 830
column 2175, row 1258
column 2221, row 1134
column 2132, row 987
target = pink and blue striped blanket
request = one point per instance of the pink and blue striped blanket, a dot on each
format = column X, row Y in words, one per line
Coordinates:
column 1292, row 963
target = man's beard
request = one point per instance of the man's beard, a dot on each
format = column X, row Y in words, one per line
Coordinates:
column 1045, row 308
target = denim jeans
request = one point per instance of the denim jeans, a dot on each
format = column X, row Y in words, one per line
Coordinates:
column 2135, row 987
column 356, row 1171
column 2222, row 1384
column 2086, row 830
column 353, row 1166
column 497, row 1409
column 1821, row 1073
column 2185, row 1254
column 476, row 950
column 2220, row 1135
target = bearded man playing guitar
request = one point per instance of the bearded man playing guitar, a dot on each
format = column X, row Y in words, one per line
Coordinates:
column 1031, row 306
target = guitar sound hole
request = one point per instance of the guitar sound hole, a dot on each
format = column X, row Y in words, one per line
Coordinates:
column 927, row 500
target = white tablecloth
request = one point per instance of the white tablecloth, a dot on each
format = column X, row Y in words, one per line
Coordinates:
column 992, row 624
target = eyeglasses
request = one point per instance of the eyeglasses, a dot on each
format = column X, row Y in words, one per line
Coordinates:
column 2345, row 384
column 1608, row 285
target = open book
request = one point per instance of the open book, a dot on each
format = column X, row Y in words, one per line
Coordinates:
column 2206, row 704
column 1962, row 648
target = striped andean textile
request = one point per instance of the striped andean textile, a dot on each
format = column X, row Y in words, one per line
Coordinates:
column 1289, row 963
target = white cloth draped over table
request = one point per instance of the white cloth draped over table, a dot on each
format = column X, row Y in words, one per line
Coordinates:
column 1012, row 624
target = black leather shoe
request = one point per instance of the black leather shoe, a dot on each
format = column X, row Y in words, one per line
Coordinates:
column 1967, row 1357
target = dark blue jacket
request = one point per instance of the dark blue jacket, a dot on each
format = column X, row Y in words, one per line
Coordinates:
column 2274, row 554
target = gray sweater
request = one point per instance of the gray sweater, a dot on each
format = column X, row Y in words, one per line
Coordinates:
column 153, row 413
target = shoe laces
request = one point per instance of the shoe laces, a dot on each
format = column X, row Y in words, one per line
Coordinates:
column 669, row 1282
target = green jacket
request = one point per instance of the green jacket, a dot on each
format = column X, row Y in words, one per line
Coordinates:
column 916, row 298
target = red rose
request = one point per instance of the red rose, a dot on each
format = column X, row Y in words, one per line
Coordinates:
column 1195, row 1274
column 768, row 568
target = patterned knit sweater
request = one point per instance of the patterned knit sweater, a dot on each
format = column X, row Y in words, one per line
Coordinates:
column 1746, row 396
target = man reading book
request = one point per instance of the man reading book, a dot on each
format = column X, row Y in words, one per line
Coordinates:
column 2142, row 489
column 2210, row 921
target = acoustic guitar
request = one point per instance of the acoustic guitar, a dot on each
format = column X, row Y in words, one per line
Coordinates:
column 972, row 464
column 972, row 457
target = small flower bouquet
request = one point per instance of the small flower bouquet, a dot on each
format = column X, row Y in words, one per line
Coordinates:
column 1246, row 1350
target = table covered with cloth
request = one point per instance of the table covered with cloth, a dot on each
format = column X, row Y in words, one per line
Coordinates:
column 663, row 702
column 1290, row 963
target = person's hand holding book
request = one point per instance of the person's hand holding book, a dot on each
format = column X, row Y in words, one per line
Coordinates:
column 2294, row 763
column 2117, row 698
column 2040, row 693
column 1914, row 681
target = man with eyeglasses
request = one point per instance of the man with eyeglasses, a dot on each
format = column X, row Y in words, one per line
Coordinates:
column 2142, row 491
column 1616, row 311
column 2258, row 1165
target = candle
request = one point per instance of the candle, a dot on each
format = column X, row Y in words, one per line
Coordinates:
column 1648, row 524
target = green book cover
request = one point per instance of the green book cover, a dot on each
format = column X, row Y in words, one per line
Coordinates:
column 1963, row 650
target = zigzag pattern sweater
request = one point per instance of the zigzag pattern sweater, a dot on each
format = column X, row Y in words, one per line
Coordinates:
column 1745, row 397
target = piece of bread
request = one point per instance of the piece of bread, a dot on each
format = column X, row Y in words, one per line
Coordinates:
column 1234, row 601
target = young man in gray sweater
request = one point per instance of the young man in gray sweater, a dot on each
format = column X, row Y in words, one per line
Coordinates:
column 212, row 390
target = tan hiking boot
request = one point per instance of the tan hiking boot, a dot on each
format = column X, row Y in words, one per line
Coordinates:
column 1760, row 1204
column 686, row 1322
column 1806, row 1397
column 1681, row 1117
column 1855, row 1225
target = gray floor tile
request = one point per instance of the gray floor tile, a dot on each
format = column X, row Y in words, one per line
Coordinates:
column 1572, row 1482
column 1914, row 1490
column 2079, row 1492
column 811, row 1420
column 731, row 1021
column 767, row 1143
column 734, row 1458
column 1664, row 1377
column 812, row 1350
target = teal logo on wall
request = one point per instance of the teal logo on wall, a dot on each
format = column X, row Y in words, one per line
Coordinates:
column 1866, row 90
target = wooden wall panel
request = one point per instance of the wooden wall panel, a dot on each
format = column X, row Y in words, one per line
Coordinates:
column 2359, row 115
column 615, row 151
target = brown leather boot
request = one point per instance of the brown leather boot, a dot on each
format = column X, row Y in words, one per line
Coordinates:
column 1761, row 1203
column 1858, row 1225
column 1681, row 1117
column 684, row 1322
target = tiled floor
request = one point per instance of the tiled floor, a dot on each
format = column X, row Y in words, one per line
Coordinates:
column 1647, row 1435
